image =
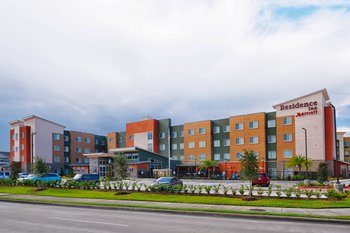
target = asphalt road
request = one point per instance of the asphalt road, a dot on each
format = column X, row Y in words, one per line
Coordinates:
column 15, row 217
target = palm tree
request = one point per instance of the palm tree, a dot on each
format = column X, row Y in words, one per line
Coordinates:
column 298, row 161
column 207, row 164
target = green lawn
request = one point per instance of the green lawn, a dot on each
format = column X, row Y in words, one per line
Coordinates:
column 217, row 200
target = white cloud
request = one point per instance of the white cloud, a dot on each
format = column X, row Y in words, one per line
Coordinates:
column 89, row 63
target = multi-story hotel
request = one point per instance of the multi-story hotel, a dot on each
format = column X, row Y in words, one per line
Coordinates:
column 301, row 126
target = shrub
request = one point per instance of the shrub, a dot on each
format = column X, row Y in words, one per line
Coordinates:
column 279, row 190
column 297, row 192
column 208, row 188
column 225, row 190
column 216, row 188
column 133, row 186
column 185, row 188
column 269, row 190
column 233, row 191
column 309, row 193
column 332, row 193
column 200, row 188
column 126, row 185
column 322, row 172
column 289, row 191
column 318, row 193
column 241, row 190
column 192, row 188
column 260, row 191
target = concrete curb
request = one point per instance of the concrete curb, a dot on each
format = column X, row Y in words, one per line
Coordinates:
column 186, row 212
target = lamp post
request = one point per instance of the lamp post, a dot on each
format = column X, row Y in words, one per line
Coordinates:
column 306, row 165
column 337, row 186
column 32, row 150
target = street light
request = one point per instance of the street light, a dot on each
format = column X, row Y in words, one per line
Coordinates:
column 32, row 149
column 306, row 165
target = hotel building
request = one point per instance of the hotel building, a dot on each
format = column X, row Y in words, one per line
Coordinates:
column 300, row 126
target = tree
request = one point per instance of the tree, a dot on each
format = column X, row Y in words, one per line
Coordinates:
column 249, row 167
column 207, row 164
column 121, row 166
column 298, row 161
column 322, row 172
column 40, row 166
column 15, row 168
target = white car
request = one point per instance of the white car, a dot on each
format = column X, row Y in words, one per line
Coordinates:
column 4, row 175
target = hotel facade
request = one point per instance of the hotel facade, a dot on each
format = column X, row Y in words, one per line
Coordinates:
column 302, row 126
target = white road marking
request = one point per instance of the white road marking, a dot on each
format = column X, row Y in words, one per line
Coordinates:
column 88, row 221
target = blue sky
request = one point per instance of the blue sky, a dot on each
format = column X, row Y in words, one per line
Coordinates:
column 93, row 66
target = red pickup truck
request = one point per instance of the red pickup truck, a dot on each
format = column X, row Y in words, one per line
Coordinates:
column 263, row 180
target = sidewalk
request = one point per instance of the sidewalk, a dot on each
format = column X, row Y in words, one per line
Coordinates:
column 320, row 212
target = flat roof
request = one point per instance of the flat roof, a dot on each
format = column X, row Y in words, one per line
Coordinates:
column 34, row 116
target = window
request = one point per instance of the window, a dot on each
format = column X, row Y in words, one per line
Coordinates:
column 181, row 133
column 87, row 150
column 174, row 134
column 149, row 136
column 181, row 157
column 239, row 155
column 181, row 146
column 226, row 142
column 216, row 156
column 57, row 159
column 86, row 160
column 191, row 132
column 346, row 144
column 201, row 130
column 253, row 125
column 66, row 138
column 254, row 140
column 77, row 149
column 174, row 146
column 161, row 146
column 271, row 123
column 22, row 135
column 287, row 137
column 22, row 158
column 161, row 135
column 287, row 153
column 287, row 120
column 16, row 136
column 202, row 157
column 202, row 144
column 239, row 126
column 66, row 149
column 16, row 148
column 96, row 150
column 22, row 146
column 216, row 129
column 150, row 146
column 346, row 153
column 226, row 129
column 256, row 154
column 13, row 148
column 78, row 160
column 271, row 139
column 216, row 143
column 66, row 159
column 110, row 140
column 239, row 141
column 131, row 138
column 96, row 142
column 103, row 143
column 56, row 136
column 175, row 157
column 227, row 156
column 78, row 139
column 56, row 148
column 87, row 140
column 271, row 154
column 191, row 158
column 191, row 145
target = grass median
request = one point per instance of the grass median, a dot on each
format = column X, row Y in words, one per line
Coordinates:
column 159, row 197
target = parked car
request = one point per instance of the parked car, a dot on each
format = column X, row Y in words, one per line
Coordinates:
column 263, row 180
column 168, row 181
column 23, row 175
column 49, row 177
column 86, row 177
column 4, row 175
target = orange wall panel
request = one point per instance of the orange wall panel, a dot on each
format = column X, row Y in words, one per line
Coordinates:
column 141, row 127
column 329, row 132
column 282, row 129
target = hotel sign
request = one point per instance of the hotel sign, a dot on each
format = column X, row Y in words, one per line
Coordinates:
column 311, row 108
